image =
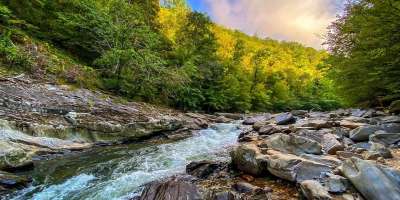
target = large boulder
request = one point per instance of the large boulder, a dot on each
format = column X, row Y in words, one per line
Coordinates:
column 313, row 190
column 285, row 119
column 248, row 158
column 292, row 144
column 362, row 133
column 293, row 168
column 385, row 138
column 170, row 190
column 374, row 182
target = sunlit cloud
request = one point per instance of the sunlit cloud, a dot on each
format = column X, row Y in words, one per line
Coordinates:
column 304, row 21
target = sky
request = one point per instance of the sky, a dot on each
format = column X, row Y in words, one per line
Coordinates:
column 303, row 21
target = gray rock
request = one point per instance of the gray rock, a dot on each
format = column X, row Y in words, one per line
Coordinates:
column 292, row 144
column 269, row 129
column 372, row 181
column 259, row 118
column 363, row 133
column 293, row 168
column 378, row 150
column 285, row 119
column 170, row 190
column 358, row 112
column 248, row 158
column 335, row 183
column 313, row 190
column 385, row 138
column 299, row 112
column 331, row 145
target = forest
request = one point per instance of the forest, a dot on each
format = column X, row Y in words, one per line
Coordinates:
column 167, row 54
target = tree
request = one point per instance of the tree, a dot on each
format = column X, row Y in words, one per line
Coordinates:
column 365, row 42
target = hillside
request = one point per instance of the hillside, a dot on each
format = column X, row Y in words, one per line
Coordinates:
column 170, row 56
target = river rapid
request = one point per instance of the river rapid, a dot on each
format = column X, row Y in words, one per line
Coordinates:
column 119, row 172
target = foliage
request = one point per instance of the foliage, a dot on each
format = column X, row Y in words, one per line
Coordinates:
column 168, row 55
column 365, row 46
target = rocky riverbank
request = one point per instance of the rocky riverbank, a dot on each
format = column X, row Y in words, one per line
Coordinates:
column 39, row 118
column 345, row 155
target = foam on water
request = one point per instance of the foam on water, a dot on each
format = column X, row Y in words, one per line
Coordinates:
column 145, row 165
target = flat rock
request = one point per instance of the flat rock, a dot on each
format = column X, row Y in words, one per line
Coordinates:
column 285, row 119
column 259, row 118
column 363, row 133
column 385, row 138
column 293, row 168
column 335, row 183
column 292, row 144
column 372, row 181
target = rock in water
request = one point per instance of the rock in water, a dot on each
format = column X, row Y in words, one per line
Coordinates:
column 372, row 181
column 313, row 190
column 293, row 144
column 285, row 119
column 11, row 181
column 203, row 169
column 170, row 190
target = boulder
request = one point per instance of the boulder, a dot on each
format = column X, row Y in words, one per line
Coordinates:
column 385, row 138
column 363, row 133
column 390, row 119
column 351, row 124
column 248, row 158
column 331, row 145
column 292, row 144
column 285, row 119
column 170, row 190
column 300, row 113
column 269, row 129
column 374, row 182
column 395, row 107
column 293, row 168
column 313, row 190
column 203, row 169
column 259, row 118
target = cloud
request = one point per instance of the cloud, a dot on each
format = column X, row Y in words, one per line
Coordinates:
column 304, row 21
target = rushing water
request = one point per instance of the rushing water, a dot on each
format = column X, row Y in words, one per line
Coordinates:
column 120, row 172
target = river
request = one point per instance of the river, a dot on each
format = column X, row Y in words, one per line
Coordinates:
column 119, row 172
